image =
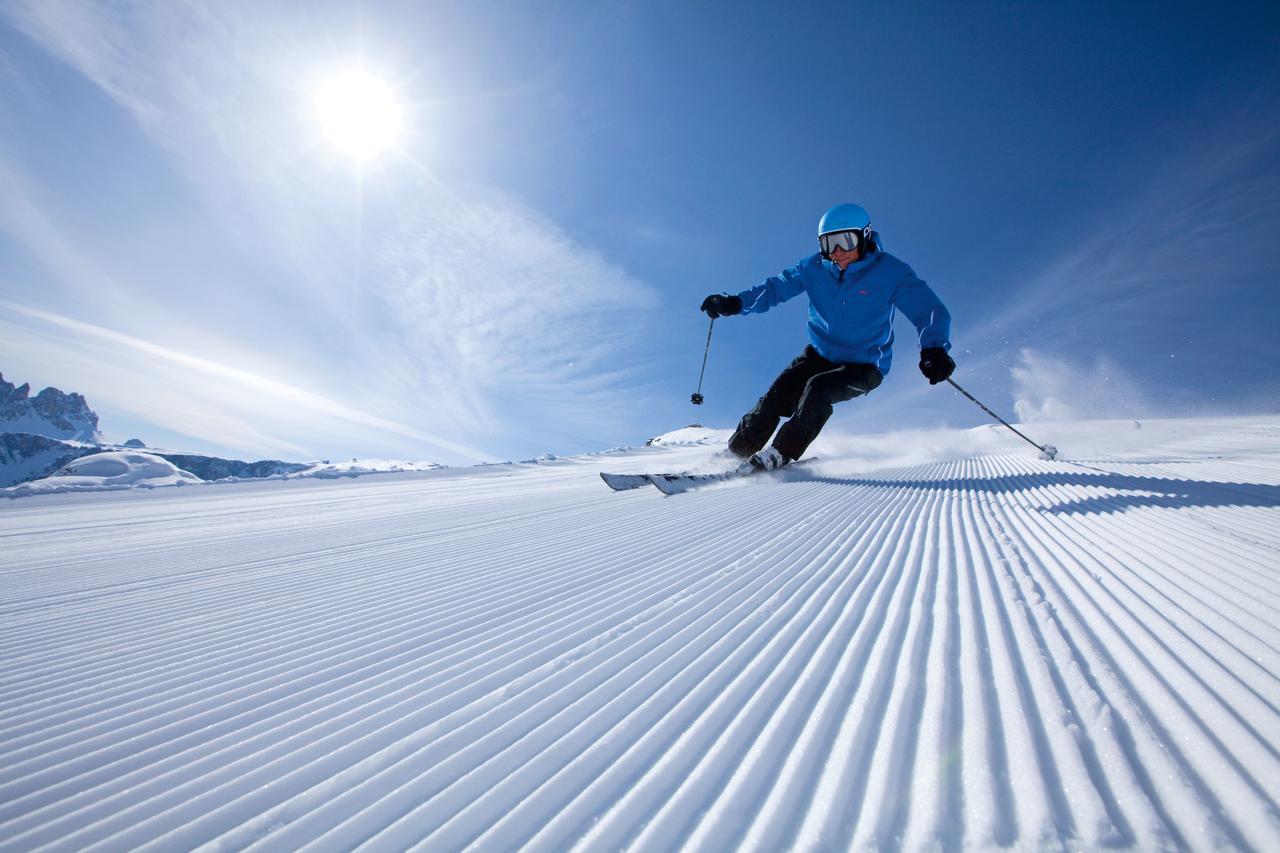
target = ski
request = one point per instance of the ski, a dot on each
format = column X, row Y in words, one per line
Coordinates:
column 674, row 484
column 623, row 482
column 626, row 482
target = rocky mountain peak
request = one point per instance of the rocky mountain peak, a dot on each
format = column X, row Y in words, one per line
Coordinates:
column 50, row 413
column 11, row 393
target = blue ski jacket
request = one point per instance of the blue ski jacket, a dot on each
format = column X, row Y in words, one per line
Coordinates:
column 851, row 312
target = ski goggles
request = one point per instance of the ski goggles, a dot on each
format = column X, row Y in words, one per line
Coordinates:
column 846, row 240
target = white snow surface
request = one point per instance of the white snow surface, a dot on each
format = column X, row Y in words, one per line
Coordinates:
column 933, row 640
column 108, row 471
column 359, row 467
column 148, row 470
column 689, row 435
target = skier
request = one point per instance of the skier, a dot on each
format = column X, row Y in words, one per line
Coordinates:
column 854, row 286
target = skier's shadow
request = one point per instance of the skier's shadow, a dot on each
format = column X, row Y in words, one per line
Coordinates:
column 1136, row 491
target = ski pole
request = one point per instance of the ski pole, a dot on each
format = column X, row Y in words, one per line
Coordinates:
column 1047, row 451
column 697, row 395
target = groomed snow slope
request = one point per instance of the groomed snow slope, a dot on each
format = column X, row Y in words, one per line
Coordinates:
column 970, row 649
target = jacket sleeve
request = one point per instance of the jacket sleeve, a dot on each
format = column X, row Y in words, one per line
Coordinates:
column 772, row 291
column 925, row 311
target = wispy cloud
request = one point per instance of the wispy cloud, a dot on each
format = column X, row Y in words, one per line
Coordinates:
column 1198, row 230
column 1152, row 306
column 506, row 303
column 1164, row 284
column 238, row 391
column 32, row 226
column 462, row 311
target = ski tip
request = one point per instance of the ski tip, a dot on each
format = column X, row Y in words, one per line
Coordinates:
column 623, row 482
column 669, row 485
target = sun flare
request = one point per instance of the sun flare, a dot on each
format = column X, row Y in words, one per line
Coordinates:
column 358, row 113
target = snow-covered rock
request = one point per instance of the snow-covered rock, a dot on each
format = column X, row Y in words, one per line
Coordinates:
column 50, row 413
column 41, row 434
column 24, row 456
column 214, row 468
column 116, row 469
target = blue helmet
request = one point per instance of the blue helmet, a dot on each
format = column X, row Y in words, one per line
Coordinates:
column 845, row 217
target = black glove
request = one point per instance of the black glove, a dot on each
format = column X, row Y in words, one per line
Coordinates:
column 936, row 365
column 721, row 305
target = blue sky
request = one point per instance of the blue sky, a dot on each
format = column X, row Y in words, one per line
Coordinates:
column 1094, row 190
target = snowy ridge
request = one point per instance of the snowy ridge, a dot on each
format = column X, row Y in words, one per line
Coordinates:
column 981, row 651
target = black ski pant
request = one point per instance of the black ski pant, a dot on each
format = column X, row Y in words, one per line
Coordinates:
column 805, row 393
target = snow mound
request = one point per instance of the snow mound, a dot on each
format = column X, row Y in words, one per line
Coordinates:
column 358, row 467
column 693, row 434
column 116, row 469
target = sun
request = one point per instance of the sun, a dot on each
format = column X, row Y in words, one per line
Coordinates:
column 358, row 113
